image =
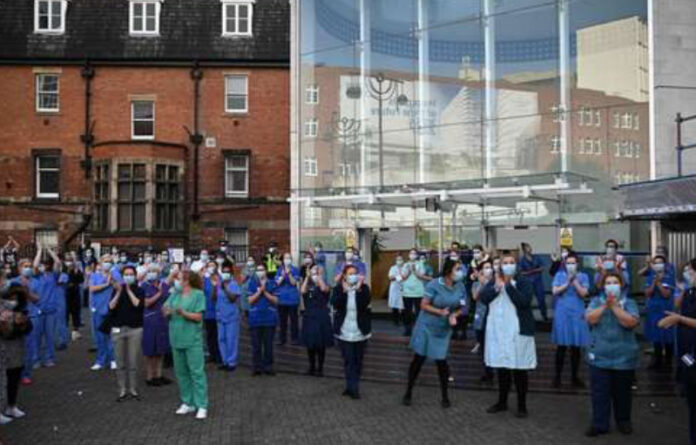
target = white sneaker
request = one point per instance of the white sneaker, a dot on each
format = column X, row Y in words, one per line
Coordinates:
column 185, row 409
column 4, row 420
column 201, row 414
column 114, row 366
column 14, row 412
column 96, row 367
column 76, row 336
column 476, row 348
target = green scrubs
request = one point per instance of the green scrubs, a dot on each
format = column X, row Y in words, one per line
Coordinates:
column 186, row 338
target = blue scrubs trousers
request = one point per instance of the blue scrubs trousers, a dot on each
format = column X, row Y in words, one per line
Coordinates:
column 228, row 341
column 62, row 334
column 31, row 350
column 610, row 389
column 105, row 349
column 46, row 336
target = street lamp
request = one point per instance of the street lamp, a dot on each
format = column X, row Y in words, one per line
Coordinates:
column 346, row 128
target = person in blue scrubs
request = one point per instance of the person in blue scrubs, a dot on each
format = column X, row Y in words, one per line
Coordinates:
column 226, row 295
column 101, row 288
column 62, row 333
column 211, row 332
column 48, row 273
column 659, row 293
column 570, row 329
column 27, row 279
column 286, row 281
column 532, row 268
column 263, row 317
column 351, row 259
column 248, row 272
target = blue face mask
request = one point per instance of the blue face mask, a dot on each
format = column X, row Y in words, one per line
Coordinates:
column 225, row 276
column 509, row 269
column 352, row 279
column 27, row 271
column 177, row 285
column 129, row 279
column 458, row 275
column 612, row 289
column 608, row 265
column 151, row 276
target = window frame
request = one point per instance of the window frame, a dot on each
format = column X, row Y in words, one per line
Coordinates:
column 37, row 93
column 37, row 173
column 311, row 166
column 131, row 201
column 131, row 17
column 172, row 204
column 311, row 123
column 235, row 249
column 102, row 179
column 250, row 17
column 555, row 143
column 50, row 29
column 228, row 93
column 247, row 169
column 312, row 94
column 139, row 137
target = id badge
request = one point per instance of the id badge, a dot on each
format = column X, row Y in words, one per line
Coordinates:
column 115, row 330
column 688, row 360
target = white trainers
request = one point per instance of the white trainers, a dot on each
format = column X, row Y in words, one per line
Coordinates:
column 114, row 366
column 96, row 367
column 201, row 414
column 14, row 412
column 76, row 336
column 476, row 348
column 4, row 420
column 185, row 409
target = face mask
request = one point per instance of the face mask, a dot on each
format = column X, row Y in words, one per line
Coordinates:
column 308, row 261
column 399, row 262
column 487, row 272
column 608, row 265
column 612, row 289
column 5, row 286
column 211, row 270
column 204, row 257
column 496, row 268
column 27, row 271
column 225, row 276
column 315, row 277
column 287, row 262
column 123, row 259
column 261, row 274
column 509, row 269
column 611, row 250
column 412, row 256
column 317, row 249
column 352, row 279
column 152, row 276
column 177, row 285
column 571, row 268
column 42, row 268
column 88, row 254
column 129, row 279
column 251, row 264
column 148, row 260
column 187, row 260
column 68, row 264
column 477, row 255
column 454, row 257
column 165, row 259
column 658, row 267
column 219, row 261
column 687, row 275
column 9, row 304
column 458, row 275
column 349, row 256
column 223, row 248
column 272, row 249
column 422, row 259
column 564, row 254
column 106, row 267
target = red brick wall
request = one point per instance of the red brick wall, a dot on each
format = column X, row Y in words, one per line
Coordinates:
column 264, row 130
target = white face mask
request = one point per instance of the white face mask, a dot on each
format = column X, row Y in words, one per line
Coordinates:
column 487, row 272
column 287, row 262
column 412, row 256
column 349, row 256
column 564, row 254
column 571, row 268
column 211, row 270
column 315, row 277
column 477, row 255
column 261, row 274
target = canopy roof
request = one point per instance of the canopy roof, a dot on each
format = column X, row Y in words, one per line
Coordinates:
column 669, row 198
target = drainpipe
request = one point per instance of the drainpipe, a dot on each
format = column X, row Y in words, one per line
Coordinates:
column 87, row 138
column 196, row 138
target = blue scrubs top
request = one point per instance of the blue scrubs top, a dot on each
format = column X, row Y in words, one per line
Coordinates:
column 613, row 346
column 48, row 292
column 209, row 313
column 534, row 263
column 99, row 303
column 227, row 311
column 287, row 293
column 263, row 313
column 32, row 308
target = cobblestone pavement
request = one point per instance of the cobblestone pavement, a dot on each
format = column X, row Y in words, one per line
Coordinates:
column 69, row 404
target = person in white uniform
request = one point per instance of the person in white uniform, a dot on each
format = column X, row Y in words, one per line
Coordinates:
column 396, row 301
column 509, row 347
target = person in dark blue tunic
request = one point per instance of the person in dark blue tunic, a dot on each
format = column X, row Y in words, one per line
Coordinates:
column 532, row 268
column 685, row 321
column 660, row 287
column 317, row 333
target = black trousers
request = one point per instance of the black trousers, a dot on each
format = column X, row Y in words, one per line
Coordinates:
column 262, row 348
column 505, row 377
column 13, row 377
column 285, row 312
column 211, row 337
column 415, row 368
column 611, row 388
column 481, row 339
column 353, row 353
column 74, row 309
column 574, row 360
column 411, row 311
column 316, row 359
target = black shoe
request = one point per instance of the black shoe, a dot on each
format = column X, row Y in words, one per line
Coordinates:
column 445, row 403
column 135, row 396
column 122, row 398
column 270, row 372
column 92, row 350
column 556, row 383
column 521, row 413
column 164, row 381
column 406, row 400
column 497, row 408
column 153, row 382
column 256, row 373
column 594, row 432
column 355, row 395
column 345, row 392
column 578, row 384
column 625, row 428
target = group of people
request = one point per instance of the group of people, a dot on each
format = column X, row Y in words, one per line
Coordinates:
column 147, row 305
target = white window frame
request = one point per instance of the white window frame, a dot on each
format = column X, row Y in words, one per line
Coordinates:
column 311, row 127
column 312, row 94
column 555, row 144
column 50, row 30
column 581, row 146
column 38, row 93
column 140, row 137
column 228, row 168
column 636, row 149
column 234, row 248
column 131, row 17
column 636, row 121
column 311, row 167
column 617, row 119
column 250, row 17
column 38, row 171
column 581, row 117
column 598, row 146
column 47, row 238
column 598, row 118
column 245, row 94
column 627, row 120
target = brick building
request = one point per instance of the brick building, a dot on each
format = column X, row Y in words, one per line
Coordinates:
column 145, row 122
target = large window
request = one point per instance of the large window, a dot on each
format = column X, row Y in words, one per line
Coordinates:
column 311, row 127
column 237, row 17
column 47, row 172
column 236, row 176
column 312, row 94
column 131, row 197
column 49, row 16
column 236, row 93
column 144, row 17
column 142, row 119
column 100, row 218
column 237, row 244
column 167, row 198
column 47, row 93
column 310, row 166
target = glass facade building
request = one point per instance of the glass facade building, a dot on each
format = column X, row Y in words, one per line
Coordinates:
column 489, row 104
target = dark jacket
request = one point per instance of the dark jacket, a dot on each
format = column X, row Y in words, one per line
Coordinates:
column 339, row 301
column 521, row 296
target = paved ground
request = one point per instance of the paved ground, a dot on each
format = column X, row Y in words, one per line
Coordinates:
column 71, row 405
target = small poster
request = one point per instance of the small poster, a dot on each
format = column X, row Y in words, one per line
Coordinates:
column 566, row 237
column 176, row 255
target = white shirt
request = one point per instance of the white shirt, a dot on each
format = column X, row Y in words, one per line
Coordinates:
column 349, row 329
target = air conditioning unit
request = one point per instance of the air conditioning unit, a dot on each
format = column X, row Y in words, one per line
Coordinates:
column 210, row 142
